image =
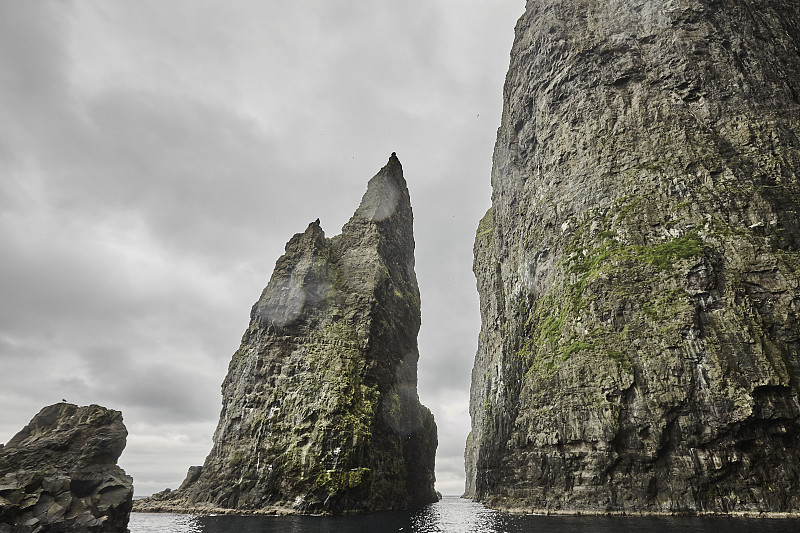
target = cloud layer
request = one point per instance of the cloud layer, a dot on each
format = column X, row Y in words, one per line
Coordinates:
column 156, row 156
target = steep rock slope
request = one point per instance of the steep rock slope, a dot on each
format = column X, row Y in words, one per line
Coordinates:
column 639, row 269
column 320, row 409
column 60, row 473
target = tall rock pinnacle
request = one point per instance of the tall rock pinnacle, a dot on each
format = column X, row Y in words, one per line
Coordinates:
column 639, row 271
column 319, row 408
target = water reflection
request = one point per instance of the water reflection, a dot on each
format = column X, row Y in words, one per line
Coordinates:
column 457, row 515
column 164, row 523
column 452, row 515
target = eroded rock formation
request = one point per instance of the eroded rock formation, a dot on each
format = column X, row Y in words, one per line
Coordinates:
column 639, row 271
column 320, row 408
column 60, row 473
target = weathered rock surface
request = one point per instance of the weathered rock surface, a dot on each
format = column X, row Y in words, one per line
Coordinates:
column 639, row 271
column 320, row 408
column 60, row 473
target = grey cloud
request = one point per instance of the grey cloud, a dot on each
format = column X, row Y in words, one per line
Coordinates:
column 156, row 156
column 32, row 53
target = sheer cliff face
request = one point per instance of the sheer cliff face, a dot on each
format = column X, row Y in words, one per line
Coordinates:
column 320, row 407
column 639, row 269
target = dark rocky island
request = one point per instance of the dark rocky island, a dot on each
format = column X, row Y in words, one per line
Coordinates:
column 320, row 410
column 60, row 473
column 639, row 270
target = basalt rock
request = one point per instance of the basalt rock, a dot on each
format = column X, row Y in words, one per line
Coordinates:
column 60, row 473
column 639, row 270
column 320, row 408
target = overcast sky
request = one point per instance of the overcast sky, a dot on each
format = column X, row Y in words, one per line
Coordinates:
column 156, row 156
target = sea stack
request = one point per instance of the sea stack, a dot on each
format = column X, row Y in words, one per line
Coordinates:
column 639, row 270
column 320, row 411
column 60, row 473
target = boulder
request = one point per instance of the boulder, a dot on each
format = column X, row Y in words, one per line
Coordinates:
column 60, row 473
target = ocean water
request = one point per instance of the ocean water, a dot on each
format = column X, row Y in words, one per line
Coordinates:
column 454, row 515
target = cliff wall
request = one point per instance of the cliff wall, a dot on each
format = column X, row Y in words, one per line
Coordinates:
column 639, row 270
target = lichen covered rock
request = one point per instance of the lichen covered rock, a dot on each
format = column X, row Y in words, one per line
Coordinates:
column 639, row 271
column 320, row 408
column 60, row 473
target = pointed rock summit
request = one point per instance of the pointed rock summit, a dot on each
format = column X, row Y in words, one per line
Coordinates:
column 639, row 271
column 320, row 411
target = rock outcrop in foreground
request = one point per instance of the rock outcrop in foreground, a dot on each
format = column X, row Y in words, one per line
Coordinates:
column 639, row 270
column 60, row 473
column 320, row 409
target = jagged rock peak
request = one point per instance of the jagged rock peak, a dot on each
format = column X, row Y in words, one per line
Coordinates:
column 60, row 473
column 320, row 407
column 639, row 270
column 387, row 194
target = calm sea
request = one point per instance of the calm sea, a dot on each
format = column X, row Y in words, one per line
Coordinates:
column 453, row 515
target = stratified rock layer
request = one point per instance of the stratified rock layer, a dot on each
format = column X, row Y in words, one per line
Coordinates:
column 638, row 270
column 320, row 408
column 60, row 473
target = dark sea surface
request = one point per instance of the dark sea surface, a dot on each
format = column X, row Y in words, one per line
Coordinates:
column 453, row 515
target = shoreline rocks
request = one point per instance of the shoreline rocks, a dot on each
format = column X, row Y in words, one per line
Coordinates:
column 59, row 473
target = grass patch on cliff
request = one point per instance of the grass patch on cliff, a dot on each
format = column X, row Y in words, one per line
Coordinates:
column 337, row 481
column 348, row 405
column 604, row 254
column 621, row 358
column 546, row 365
column 575, row 347
column 237, row 458
column 485, row 226
column 628, row 205
column 664, row 255
column 668, row 306
column 551, row 328
column 596, row 263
